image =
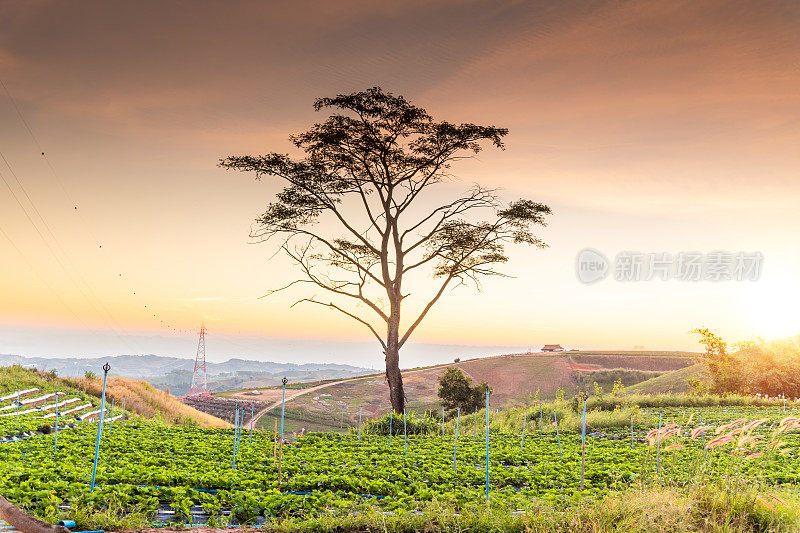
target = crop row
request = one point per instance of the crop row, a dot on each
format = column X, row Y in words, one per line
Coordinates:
column 143, row 465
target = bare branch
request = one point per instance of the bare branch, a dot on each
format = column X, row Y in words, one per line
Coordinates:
column 351, row 315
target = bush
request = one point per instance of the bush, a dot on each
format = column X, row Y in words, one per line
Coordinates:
column 456, row 391
column 415, row 425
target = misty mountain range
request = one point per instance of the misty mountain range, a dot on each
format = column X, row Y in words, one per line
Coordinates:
column 154, row 366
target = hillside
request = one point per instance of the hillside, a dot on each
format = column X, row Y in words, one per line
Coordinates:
column 176, row 372
column 515, row 379
column 675, row 381
column 28, row 401
column 147, row 401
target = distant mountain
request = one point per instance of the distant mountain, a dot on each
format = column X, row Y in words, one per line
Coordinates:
column 153, row 366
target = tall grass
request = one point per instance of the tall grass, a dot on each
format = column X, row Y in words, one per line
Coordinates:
column 653, row 509
column 605, row 411
column 147, row 401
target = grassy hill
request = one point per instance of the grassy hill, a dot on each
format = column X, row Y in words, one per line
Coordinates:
column 147, row 401
column 516, row 379
column 671, row 382
column 140, row 399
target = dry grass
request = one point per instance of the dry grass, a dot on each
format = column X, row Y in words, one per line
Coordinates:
column 147, row 401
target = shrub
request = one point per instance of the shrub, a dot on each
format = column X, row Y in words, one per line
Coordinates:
column 415, row 425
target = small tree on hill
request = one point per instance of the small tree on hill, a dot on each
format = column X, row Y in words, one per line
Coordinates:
column 456, row 390
column 724, row 369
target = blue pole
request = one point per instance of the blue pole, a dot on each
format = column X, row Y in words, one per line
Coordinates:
column 487, row 446
column 252, row 413
column 241, row 428
column 583, row 441
column 658, row 448
column 524, row 422
column 235, row 433
column 55, row 445
column 475, row 426
column 391, row 417
column 631, row 430
column 237, row 429
column 106, row 368
column 359, row 423
column 283, row 407
column 705, row 452
column 555, row 419
column 405, row 433
column 455, row 444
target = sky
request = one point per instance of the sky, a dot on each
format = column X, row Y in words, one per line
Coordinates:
column 647, row 127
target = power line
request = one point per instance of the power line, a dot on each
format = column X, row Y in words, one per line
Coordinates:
column 58, row 179
column 57, row 243
column 44, row 280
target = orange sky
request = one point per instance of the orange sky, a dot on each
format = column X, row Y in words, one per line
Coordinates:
column 647, row 126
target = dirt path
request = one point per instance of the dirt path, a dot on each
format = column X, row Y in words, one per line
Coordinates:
column 274, row 395
column 299, row 392
column 294, row 393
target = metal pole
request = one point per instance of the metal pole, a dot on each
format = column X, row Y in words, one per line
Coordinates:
column 475, row 427
column 106, row 368
column 252, row 413
column 583, row 441
column 241, row 428
column 631, row 430
column 658, row 448
column 487, row 447
column 705, row 452
column 55, row 445
column 280, row 446
column 405, row 433
column 455, row 444
column 558, row 437
column 235, row 433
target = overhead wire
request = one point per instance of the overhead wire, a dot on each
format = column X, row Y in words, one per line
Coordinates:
column 108, row 316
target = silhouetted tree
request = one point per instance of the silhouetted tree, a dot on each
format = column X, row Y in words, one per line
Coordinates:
column 357, row 215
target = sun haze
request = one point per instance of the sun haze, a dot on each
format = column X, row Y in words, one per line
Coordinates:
column 647, row 127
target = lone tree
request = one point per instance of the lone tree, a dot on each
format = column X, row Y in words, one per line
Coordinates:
column 456, row 390
column 357, row 213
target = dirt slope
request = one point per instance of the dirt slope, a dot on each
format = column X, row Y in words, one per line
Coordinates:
column 514, row 379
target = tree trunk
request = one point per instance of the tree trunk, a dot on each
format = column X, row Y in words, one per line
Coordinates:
column 393, row 376
column 25, row 522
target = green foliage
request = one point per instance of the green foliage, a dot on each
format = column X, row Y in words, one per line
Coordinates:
column 725, row 371
column 532, row 486
column 414, row 424
column 757, row 367
column 89, row 375
column 456, row 390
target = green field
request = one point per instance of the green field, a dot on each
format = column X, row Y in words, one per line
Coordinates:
column 146, row 468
